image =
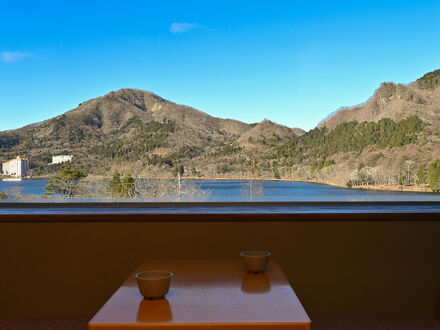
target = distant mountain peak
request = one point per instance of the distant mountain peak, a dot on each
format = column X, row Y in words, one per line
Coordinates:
column 141, row 99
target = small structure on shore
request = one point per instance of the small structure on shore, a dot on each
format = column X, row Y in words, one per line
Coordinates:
column 61, row 159
column 17, row 167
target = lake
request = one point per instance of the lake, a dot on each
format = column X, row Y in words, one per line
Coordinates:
column 263, row 191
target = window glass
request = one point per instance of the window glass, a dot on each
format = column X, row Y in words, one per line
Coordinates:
column 219, row 101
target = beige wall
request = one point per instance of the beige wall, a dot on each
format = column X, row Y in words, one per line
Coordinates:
column 61, row 265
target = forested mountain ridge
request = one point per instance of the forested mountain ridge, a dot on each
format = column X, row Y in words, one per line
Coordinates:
column 390, row 140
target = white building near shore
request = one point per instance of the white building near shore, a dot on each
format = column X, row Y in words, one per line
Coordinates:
column 17, row 167
column 61, row 159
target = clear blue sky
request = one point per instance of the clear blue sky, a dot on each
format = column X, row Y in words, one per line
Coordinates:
column 293, row 62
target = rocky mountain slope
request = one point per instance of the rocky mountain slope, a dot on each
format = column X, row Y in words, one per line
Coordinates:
column 396, row 101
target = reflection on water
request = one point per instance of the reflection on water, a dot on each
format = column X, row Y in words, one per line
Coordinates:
column 255, row 283
column 154, row 311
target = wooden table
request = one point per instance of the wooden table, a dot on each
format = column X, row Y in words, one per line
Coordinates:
column 216, row 294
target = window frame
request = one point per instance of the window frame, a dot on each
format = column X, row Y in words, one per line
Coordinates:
column 124, row 207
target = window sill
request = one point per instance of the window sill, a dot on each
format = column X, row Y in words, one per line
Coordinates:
column 109, row 208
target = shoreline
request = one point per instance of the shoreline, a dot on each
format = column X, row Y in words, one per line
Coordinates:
column 395, row 188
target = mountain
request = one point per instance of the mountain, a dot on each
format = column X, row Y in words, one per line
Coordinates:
column 390, row 140
column 396, row 101
column 133, row 130
column 109, row 112
column 268, row 131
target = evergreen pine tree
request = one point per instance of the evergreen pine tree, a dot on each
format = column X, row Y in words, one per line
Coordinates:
column 422, row 174
column 66, row 183
column 128, row 187
column 434, row 175
column 114, row 186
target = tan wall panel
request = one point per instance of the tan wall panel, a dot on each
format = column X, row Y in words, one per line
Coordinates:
column 378, row 267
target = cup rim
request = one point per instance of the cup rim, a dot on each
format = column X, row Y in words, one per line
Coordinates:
column 255, row 253
column 154, row 275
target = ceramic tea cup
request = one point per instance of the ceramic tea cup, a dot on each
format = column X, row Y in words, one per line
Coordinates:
column 255, row 261
column 154, row 284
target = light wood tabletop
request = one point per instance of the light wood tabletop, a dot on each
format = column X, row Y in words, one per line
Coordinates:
column 216, row 294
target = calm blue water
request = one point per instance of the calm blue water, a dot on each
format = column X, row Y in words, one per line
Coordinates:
column 24, row 187
column 269, row 191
